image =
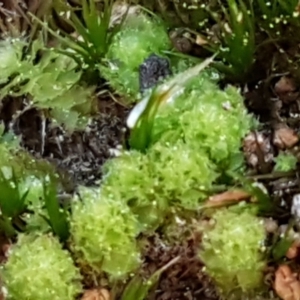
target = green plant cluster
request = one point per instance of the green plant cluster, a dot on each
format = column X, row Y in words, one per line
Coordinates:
column 194, row 145
column 51, row 80
column 193, row 148
column 240, row 31
column 207, row 119
column 139, row 37
column 18, row 174
column 38, row 268
column 166, row 177
column 31, row 186
column 233, row 253
column 93, row 31
column 274, row 17
column 285, row 162
column 103, row 234
column 175, row 174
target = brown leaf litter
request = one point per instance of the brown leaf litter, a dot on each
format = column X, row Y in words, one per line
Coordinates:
column 258, row 151
column 286, row 89
column 227, row 198
column 287, row 284
column 284, row 137
column 96, row 294
column 293, row 251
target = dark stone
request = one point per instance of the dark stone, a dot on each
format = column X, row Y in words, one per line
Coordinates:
column 152, row 71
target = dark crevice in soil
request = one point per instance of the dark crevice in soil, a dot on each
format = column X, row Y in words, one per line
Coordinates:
column 80, row 155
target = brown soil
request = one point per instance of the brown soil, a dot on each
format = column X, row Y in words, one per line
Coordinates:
column 185, row 279
column 78, row 156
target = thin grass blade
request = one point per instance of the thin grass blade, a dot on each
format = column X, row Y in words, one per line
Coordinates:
column 104, row 41
column 138, row 288
column 57, row 217
column 66, row 40
column 80, row 28
column 93, row 22
column 11, row 202
column 140, row 137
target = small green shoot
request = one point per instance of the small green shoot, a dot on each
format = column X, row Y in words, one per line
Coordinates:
column 285, row 162
column 282, row 242
column 138, row 288
column 12, row 203
column 281, row 247
column 57, row 216
column 142, row 116
column 262, row 198
column 237, row 39
column 95, row 34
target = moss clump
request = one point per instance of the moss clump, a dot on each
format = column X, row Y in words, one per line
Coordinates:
column 232, row 252
column 285, row 162
column 168, row 176
column 195, row 141
column 140, row 37
column 207, row 119
column 38, row 268
column 103, row 234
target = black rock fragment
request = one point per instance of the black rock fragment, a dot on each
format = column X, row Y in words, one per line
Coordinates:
column 152, row 71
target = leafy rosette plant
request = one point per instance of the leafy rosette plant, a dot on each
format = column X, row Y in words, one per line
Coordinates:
column 233, row 253
column 207, row 119
column 152, row 184
column 139, row 37
column 94, row 30
column 51, row 83
column 38, row 268
column 103, row 234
